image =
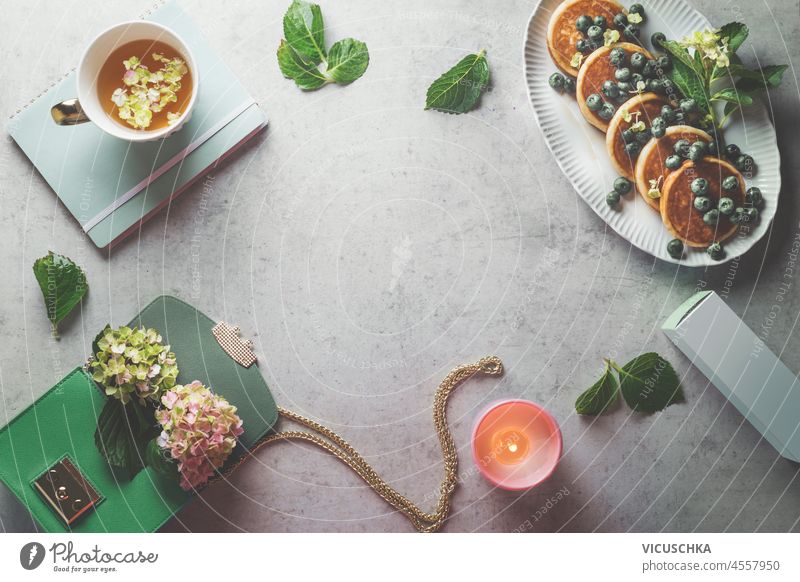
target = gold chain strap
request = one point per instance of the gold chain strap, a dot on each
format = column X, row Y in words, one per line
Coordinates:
column 326, row 439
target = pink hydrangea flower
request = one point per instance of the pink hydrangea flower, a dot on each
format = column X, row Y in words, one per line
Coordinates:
column 200, row 430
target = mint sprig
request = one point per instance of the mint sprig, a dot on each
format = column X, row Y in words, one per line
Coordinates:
column 704, row 60
column 648, row 383
column 303, row 52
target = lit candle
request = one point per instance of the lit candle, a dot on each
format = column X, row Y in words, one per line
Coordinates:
column 516, row 444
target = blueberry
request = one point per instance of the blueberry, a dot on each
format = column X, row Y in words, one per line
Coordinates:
column 673, row 162
column 628, row 136
column 679, row 117
column 594, row 102
column 751, row 214
column 675, row 248
column 612, row 198
column 644, row 136
column 665, row 62
column 569, row 85
column 668, row 114
column 688, row 105
column 633, row 149
column 636, row 9
column 657, row 39
column 702, row 203
column 617, row 56
column 715, row 251
column 655, row 85
column 583, row 23
column 611, row 90
column 601, row 22
column 583, row 46
column 711, row 217
column 623, row 74
column 697, row 151
column 732, row 151
column 738, row 216
column 730, row 184
column 700, row 187
column 658, row 121
column 712, row 148
column 745, row 163
column 631, row 32
column 638, row 61
column 637, row 78
column 607, row 111
column 754, row 197
column 620, row 20
column 626, row 87
column 682, row 148
column 556, row 81
column 659, row 132
column 726, row 206
column 622, row 185
column 594, row 33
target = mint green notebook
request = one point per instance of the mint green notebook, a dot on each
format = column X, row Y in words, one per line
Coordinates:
column 61, row 424
column 106, row 183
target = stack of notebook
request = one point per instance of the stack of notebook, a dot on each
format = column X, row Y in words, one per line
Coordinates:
column 111, row 186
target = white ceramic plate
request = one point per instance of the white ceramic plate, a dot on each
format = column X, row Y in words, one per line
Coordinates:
column 580, row 150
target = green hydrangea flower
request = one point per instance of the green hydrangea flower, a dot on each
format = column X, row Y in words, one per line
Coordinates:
column 133, row 363
column 145, row 92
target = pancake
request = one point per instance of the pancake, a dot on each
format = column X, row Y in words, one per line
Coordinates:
column 651, row 160
column 680, row 217
column 562, row 34
column 648, row 106
column 596, row 70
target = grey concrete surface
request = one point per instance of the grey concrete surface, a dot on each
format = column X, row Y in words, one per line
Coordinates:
column 369, row 246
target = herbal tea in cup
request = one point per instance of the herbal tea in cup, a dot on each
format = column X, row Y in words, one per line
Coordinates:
column 136, row 81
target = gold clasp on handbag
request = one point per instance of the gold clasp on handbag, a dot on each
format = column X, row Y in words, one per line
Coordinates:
column 227, row 336
column 67, row 491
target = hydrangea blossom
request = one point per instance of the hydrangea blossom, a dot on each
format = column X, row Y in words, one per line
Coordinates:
column 709, row 45
column 199, row 431
column 145, row 92
column 133, row 363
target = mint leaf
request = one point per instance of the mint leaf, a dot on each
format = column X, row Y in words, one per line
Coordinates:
column 680, row 53
column 769, row 77
column 305, row 74
column 305, row 31
column 63, row 285
column 736, row 33
column 600, row 396
column 731, row 95
column 649, row 383
column 122, row 434
column 347, row 60
column 690, row 84
column 459, row 89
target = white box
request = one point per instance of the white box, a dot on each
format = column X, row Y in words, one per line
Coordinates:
column 741, row 366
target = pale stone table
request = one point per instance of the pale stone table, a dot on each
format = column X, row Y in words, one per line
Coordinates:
column 369, row 246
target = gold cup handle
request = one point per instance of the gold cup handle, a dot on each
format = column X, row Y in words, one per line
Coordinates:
column 68, row 112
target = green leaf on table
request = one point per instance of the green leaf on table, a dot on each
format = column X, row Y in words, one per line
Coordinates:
column 649, row 383
column 305, row 31
column 306, row 75
column 690, row 84
column 63, row 285
column 122, row 434
column 459, row 89
column 347, row 60
column 736, row 33
column 600, row 396
column 731, row 95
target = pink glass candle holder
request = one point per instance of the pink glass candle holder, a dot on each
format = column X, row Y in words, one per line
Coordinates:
column 516, row 444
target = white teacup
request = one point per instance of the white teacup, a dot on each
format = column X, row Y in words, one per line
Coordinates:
column 87, row 106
